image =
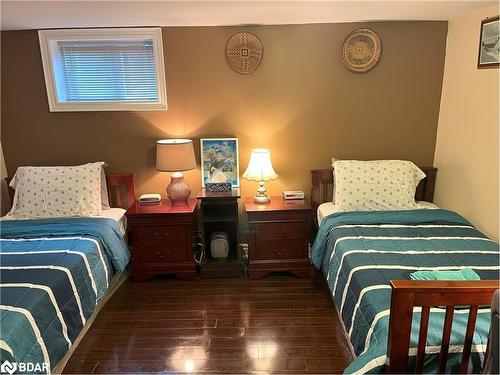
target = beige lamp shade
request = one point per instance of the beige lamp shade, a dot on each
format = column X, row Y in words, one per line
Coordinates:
column 260, row 167
column 175, row 155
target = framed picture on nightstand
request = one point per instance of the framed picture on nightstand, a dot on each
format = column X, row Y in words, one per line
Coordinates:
column 219, row 161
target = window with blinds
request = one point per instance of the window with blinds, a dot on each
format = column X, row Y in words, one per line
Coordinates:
column 104, row 69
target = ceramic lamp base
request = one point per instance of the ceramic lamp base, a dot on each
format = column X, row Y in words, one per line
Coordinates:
column 261, row 196
column 178, row 191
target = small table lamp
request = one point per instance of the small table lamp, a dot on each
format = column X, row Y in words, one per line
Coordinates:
column 176, row 155
column 260, row 169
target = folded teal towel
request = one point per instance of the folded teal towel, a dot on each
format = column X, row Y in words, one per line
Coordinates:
column 463, row 274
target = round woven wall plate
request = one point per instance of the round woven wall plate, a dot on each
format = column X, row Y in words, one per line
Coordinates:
column 244, row 52
column 361, row 50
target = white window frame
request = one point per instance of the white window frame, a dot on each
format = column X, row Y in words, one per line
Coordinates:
column 50, row 54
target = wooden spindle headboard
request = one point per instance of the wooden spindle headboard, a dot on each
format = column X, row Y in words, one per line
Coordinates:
column 121, row 189
column 322, row 186
column 408, row 294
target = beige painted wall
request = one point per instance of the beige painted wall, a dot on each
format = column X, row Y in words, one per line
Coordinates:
column 302, row 103
column 467, row 138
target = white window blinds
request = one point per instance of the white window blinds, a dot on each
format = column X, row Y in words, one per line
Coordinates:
column 104, row 69
column 109, row 71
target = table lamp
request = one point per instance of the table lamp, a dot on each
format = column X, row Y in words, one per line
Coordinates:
column 260, row 169
column 176, row 155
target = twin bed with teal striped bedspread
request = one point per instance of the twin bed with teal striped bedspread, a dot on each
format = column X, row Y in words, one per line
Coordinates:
column 53, row 272
column 360, row 252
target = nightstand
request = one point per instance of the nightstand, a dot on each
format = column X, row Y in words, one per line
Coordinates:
column 161, row 236
column 279, row 236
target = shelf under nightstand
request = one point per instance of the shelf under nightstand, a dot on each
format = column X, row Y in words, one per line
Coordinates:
column 219, row 213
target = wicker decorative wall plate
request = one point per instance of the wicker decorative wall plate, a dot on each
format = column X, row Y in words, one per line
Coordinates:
column 361, row 50
column 244, row 52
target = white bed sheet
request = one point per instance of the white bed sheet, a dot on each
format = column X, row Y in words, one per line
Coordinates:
column 117, row 214
column 329, row 208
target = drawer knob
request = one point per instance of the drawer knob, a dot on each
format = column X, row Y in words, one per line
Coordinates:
column 158, row 252
column 165, row 234
column 167, row 252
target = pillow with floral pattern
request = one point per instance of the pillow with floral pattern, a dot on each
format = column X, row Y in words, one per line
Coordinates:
column 376, row 185
column 42, row 192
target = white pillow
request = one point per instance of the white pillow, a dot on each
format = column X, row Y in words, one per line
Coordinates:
column 57, row 191
column 376, row 185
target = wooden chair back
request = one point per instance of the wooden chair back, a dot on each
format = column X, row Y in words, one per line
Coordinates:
column 322, row 186
column 407, row 294
column 121, row 189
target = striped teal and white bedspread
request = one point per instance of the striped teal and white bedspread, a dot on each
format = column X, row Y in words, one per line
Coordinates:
column 53, row 272
column 360, row 252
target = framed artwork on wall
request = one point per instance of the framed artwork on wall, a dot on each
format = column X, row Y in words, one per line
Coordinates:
column 219, row 161
column 489, row 44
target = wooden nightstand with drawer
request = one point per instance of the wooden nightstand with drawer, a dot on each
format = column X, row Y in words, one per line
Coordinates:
column 161, row 236
column 279, row 234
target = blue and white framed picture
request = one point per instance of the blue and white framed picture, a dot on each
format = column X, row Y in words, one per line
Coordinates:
column 219, row 161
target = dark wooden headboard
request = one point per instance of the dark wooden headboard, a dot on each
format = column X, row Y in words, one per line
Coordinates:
column 121, row 189
column 322, row 186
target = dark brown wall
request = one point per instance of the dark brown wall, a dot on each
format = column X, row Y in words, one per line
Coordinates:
column 302, row 103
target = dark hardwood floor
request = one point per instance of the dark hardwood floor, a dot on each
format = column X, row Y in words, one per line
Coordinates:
column 277, row 324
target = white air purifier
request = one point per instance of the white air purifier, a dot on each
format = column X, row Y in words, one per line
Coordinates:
column 219, row 245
